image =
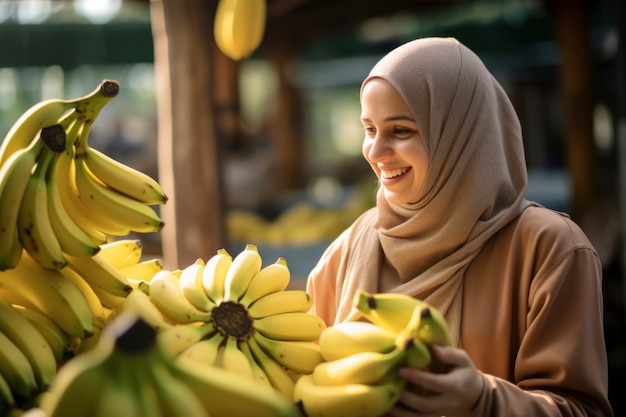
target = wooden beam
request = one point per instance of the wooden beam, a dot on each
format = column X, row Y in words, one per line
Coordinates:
column 188, row 150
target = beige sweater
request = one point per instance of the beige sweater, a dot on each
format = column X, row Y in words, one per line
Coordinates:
column 531, row 314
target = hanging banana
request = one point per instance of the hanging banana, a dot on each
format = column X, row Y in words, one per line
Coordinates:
column 239, row 26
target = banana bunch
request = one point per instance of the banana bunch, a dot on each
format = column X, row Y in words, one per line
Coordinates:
column 61, row 198
column 128, row 373
column 239, row 26
column 59, row 313
column 234, row 314
column 361, row 358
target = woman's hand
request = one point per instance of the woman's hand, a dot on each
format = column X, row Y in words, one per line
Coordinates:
column 453, row 393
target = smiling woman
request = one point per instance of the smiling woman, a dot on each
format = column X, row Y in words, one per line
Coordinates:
column 452, row 227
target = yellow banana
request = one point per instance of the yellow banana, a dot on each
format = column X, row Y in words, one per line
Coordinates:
column 204, row 352
column 239, row 26
column 350, row 337
column 140, row 304
column 233, row 359
column 143, row 270
column 271, row 279
column 64, row 173
column 291, row 326
column 433, row 328
column 34, row 227
column 354, row 400
column 100, row 273
column 190, row 284
column 99, row 316
column 298, row 356
column 245, row 265
column 71, row 237
column 277, row 375
column 214, row 275
column 227, row 394
column 258, row 374
column 122, row 253
column 287, row 301
column 28, row 339
column 165, row 294
column 358, row 368
column 176, row 339
column 14, row 178
column 107, row 203
column 60, row 341
column 123, row 178
column 389, row 310
column 52, row 293
column 16, row 369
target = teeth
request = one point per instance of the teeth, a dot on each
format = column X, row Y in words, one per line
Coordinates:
column 393, row 172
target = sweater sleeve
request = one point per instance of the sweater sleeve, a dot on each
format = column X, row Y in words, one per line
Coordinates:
column 561, row 367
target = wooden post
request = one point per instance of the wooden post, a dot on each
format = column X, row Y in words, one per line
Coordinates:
column 188, row 150
column 577, row 88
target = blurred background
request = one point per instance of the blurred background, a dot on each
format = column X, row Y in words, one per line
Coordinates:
column 267, row 150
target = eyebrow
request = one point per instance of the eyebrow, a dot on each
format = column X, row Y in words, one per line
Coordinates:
column 393, row 118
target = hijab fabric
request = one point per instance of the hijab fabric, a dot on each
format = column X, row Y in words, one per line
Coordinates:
column 474, row 186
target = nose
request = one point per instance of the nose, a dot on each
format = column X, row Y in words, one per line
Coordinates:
column 375, row 148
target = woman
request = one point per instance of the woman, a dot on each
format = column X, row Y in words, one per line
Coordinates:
column 519, row 284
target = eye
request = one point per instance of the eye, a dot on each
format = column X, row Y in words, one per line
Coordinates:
column 369, row 130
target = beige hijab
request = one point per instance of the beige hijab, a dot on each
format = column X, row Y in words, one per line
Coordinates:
column 475, row 184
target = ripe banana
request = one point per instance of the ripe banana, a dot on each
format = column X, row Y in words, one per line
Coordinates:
column 15, row 174
column 354, row 400
column 48, row 112
column 176, row 339
column 298, row 356
column 204, row 352
column 277, row 375
column 350, row 337
column 124, row 179
column 433, row 328
column 227, row 394
column 165, row 294
column 258, row 374
column 71, row 237
column 245, row 265
column 214, row 275
column 99, row 316
column 100, row 274
column 190, row 284
column 358, row 368
column 28, row 339
column 140, row 304
column 122, row 253
column 16, row 369
column 52, row 293
column 270, row 279
column 291, row 326
column 34, row 227
column 60, row 342
column 107, row 203
column 233, row 359
column 389, row 310
column 239, row 26
column 64, row 173
column 282, row 302
column 143, row 270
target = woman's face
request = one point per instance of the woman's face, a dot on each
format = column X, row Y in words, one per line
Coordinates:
column 393, row 145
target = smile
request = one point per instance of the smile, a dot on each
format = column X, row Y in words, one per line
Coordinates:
column 393, row 173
